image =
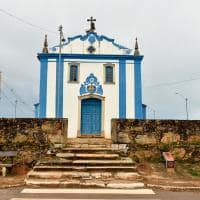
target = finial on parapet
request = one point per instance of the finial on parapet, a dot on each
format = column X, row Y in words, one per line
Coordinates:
column 45, row 47
column 136, row 52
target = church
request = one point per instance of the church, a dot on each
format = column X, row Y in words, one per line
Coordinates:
column 90, row 79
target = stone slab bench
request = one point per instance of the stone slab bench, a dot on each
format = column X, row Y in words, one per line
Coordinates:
column 8, row 154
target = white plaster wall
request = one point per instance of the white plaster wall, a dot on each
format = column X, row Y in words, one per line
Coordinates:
column 51, row 89
column 71, row 93
column 80, row 47
column 130, row 100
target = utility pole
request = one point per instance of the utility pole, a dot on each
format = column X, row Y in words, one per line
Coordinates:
column 62, row 39
column 16, row 108
column 154, row 112
column 186, row 104
column 0, row 86
column 0, row 83
column 186, row 107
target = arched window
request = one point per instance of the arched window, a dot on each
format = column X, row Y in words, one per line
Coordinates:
column 109, row 74
column 73, row 73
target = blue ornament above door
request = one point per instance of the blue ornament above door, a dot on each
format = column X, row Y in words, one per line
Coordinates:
column 91, row 86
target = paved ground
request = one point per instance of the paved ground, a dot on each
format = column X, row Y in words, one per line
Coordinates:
column 7, row 194
column 15, row 193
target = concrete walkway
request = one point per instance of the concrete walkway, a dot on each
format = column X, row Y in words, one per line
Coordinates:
column 15, row 194
column 86, row 194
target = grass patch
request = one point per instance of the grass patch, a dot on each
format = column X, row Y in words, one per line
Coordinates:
column 191, row 169
column 194, row 172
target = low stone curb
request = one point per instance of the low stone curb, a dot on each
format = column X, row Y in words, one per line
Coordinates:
column 12, row 186
column 174, row 188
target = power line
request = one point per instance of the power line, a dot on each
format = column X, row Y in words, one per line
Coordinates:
column 7, row 98
column 13, row 104
column 172, row 83
column 25, row 21
column 17, row 96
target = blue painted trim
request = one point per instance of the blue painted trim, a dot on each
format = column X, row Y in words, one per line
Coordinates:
column 59, row 88
column 89, row 56
column 92, row 61
column 122, row 89
column 96, row 36
column 138, row 88
column 43, row 87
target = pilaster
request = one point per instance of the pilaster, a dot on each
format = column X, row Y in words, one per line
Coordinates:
column 138, row 87
column 122, row 88
column 43, row 87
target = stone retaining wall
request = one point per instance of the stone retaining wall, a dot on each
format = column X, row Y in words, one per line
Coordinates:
column 30, row 137
column 149, row 138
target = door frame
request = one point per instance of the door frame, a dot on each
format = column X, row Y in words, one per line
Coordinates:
column 89, row 96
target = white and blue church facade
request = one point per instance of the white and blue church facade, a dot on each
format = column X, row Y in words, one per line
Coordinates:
column 90, row 79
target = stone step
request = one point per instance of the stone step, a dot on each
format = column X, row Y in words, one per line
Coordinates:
column 87, row 149
column 88, row 145
column 54, row 162
column 77, row 162
column 103, row 162
column 87, row 155
column 106, row 168
column 83, row 175
column 117, row 184
column 91, row 141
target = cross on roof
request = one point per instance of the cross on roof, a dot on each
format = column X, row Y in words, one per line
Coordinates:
column 91, row 19
column 92, row 24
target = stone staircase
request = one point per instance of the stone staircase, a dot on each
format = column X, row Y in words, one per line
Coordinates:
column 86, row 162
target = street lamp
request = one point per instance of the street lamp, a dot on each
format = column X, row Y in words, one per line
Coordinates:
column 154, row 112
column 186, row 103
column 16, row 108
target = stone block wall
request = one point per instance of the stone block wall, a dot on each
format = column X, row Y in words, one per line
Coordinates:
column 31, row 138
column 147, row 139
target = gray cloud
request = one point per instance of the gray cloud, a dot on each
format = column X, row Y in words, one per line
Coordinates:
column 168, row 33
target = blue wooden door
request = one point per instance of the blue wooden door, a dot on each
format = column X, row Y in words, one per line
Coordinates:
column 91, row 116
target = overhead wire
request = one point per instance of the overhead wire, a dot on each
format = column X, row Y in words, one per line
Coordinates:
column 18, row 96
column 25, row 21
column 172, row 83
column 4, row 94
column 20, row 19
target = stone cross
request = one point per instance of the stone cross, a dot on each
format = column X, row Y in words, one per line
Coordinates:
column 92, row 24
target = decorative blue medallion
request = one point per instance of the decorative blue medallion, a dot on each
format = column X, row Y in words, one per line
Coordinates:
column 91, row 39
column 91, row 85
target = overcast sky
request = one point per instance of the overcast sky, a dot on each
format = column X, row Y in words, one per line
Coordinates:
column 169, row 38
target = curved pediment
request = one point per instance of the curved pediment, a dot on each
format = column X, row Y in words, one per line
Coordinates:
column 92, row 43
